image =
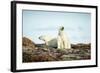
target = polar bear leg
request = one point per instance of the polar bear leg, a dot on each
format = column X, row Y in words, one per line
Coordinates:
column 59, row 45
column 67, row 44
column 46, row 43
column 58, row 42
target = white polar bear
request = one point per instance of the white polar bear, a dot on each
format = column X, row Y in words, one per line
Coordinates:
column 61, row 42
column 49, row 41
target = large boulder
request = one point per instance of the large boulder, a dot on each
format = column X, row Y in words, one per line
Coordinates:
column 27, row 44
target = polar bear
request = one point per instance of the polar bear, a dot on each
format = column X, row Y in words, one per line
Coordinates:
column 49, row 41
column 62, row 39
column 61, row 42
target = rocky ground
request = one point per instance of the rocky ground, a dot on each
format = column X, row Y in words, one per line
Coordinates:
column 40, row 53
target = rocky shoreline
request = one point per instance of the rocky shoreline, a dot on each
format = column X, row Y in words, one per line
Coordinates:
column 40, row 53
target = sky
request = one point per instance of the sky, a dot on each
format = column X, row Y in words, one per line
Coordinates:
column 77, row 26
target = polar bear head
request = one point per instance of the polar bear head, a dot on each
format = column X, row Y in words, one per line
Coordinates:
column 45, row 38
column 61, row 28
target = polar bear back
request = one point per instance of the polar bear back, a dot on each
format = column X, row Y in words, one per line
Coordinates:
column 53, row 43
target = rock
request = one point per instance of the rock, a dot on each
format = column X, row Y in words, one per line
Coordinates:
column 27, row 44
column 68, row 57
column 81, row 46
column 65, row 51
column 40, row 53
column 39, row 56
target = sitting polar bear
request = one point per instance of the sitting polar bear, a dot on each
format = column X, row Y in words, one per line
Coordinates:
column 61, row 42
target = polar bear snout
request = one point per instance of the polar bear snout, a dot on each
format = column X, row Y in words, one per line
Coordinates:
column 41, row 38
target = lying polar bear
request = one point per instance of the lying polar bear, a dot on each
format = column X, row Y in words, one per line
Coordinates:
column 49, row 41
column 61, row 42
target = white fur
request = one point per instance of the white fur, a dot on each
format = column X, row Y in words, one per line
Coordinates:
column 49, row 41
column 61, row 42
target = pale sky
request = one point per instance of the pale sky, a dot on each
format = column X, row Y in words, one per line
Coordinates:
column 77, row 25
